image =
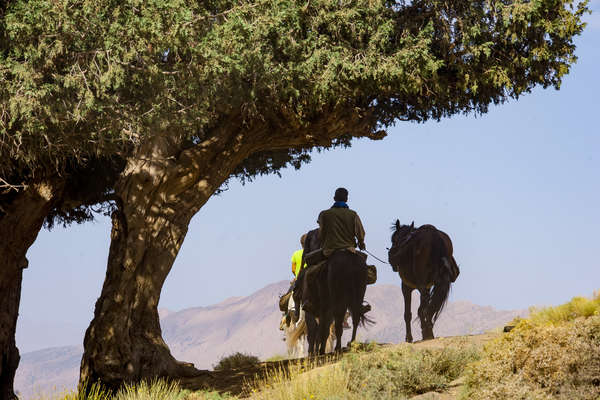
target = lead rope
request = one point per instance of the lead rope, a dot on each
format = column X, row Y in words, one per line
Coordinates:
column 375, row 257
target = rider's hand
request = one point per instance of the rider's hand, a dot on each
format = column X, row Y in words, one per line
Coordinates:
column 362, row 246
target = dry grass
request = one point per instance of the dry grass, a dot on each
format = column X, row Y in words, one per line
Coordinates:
column 576, row 308
column 303, row 381
column 155, row 390
column 209, row 396
column 96, row 392
column 404, row 371
column 553, row 355
column 369, row 373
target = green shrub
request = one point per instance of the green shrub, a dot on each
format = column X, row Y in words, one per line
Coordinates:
column 236, row 360
column 405, row 371
column 577, row 307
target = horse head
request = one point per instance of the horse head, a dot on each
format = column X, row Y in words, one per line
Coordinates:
column 401, row 232
column 399, row 235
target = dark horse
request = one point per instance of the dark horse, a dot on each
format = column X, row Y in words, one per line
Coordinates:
column 311, row 243
column 341, row 286
column 332, row 289
column 423, row 259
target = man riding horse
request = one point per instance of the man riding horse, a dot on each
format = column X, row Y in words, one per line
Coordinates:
column 340, row 228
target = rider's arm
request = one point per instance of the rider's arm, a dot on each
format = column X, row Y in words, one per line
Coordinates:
column 294, row 267
column 320, row 222
column 359, row 232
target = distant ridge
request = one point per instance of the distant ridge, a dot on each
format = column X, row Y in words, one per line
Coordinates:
column 203, row 335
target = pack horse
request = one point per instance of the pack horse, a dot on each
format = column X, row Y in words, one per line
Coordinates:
column 423, row 259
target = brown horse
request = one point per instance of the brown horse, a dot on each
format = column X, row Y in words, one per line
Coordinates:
column 423, row 259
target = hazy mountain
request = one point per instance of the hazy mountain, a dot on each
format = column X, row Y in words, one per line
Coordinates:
column 48, row 371
column 203, row 335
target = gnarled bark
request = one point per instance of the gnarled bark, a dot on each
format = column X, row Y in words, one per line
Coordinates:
column 160, row 190
column 20, row 223
column 159, row 193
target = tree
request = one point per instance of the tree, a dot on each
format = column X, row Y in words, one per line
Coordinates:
column 191, row 94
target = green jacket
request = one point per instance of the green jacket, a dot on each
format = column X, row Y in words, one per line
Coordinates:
column 340, row 228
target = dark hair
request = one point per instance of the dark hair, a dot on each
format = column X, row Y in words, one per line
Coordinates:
column 341, row 194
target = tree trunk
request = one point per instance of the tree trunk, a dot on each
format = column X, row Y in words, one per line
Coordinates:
column 159, row 193
column 20, row 223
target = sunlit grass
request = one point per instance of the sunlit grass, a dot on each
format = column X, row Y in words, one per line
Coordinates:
column 576, row 308
column 155, row 390
column 96, row 392
column 367, row 372
column 304, row 380
column 405, row 371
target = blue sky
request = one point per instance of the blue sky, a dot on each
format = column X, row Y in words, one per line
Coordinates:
column 517, row 190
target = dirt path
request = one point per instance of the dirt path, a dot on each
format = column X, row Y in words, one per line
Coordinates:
column 236, row 381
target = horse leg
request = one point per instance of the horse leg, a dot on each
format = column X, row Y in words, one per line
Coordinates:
column 355, row 322
column 424, row 317
column 300, row 346
column 340, row 313
column 324, row 329
column 290, row 348
column 406, row 292
column 311, row 334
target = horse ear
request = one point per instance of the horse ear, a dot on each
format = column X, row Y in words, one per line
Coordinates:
column 413, row 224
column 397, row 224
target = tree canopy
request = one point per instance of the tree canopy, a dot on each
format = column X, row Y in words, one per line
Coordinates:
column 156, row 103
column 82, row 79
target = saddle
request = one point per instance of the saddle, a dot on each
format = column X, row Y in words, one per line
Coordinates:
column 284, row 300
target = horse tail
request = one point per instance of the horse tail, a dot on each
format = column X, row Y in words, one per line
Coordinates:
column 439, row 298
column 366, row 321
column 446, row 274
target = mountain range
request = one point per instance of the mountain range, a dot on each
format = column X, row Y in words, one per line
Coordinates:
column 203, row 335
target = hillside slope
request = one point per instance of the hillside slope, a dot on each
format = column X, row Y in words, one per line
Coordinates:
column 203, row 335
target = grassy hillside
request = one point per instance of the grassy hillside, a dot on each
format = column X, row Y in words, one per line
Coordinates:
column 554, row 354
column 203, row 335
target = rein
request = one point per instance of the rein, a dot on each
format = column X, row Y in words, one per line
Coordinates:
column 375, row 257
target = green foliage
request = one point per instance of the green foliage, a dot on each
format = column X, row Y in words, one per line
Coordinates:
column 553, row 355
column 236, row 360
column 81, row 78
